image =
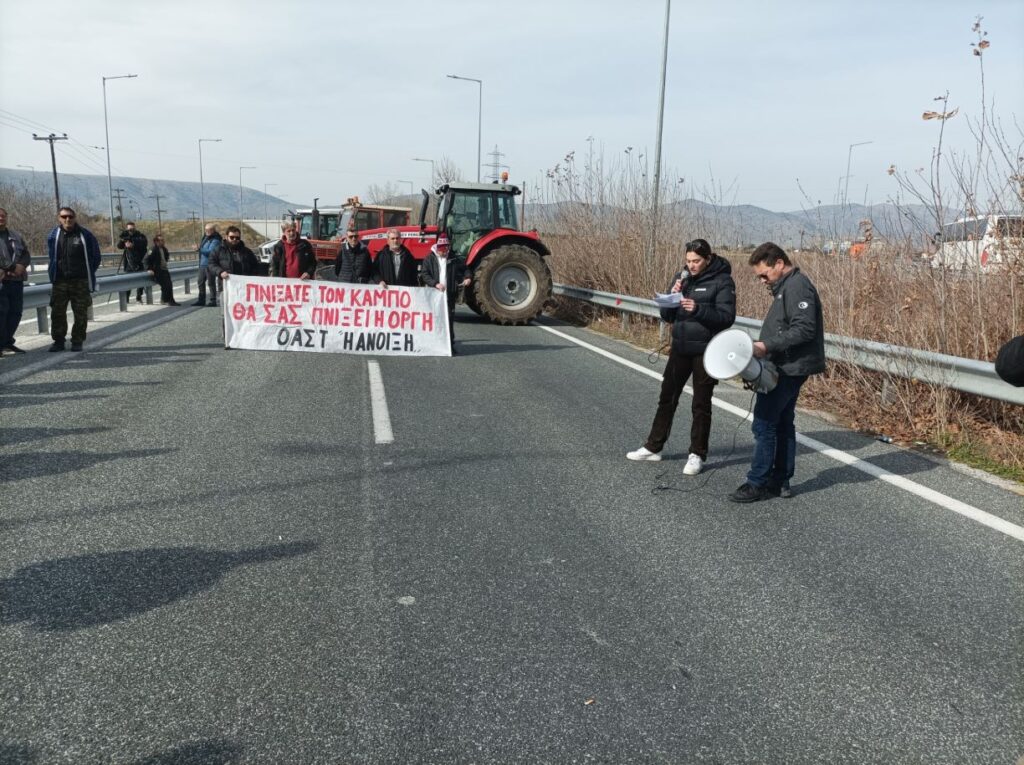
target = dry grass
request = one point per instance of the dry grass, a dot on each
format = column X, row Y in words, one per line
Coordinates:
column 882, row 297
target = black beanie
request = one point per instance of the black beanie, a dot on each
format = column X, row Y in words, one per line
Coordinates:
column 1010, row 362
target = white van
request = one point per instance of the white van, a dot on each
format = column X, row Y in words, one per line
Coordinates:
column 981, row 242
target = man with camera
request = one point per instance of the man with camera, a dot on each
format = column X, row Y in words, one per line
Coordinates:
column 134, row 245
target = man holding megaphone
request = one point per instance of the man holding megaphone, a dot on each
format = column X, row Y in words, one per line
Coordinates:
column 793, row 339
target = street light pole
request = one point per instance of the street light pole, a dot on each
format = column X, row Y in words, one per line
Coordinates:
column 849, row 155
column 657, row 146
column 432, row 181
column 412, row 187
column 479, row 120
column 266, row 225
column 244, row 167
column 202, row 191
column 106, row 129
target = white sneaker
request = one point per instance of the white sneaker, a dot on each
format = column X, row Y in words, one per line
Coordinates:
column 693, row 465
column 643, row 454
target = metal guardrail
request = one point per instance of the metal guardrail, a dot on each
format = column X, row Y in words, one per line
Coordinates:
column 966, row 375
column 38, row 295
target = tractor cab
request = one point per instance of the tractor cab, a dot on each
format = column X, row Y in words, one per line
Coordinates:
column 468, row 212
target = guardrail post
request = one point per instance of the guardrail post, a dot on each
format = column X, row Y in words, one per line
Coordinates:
column 188, row 286
column 91, row 315
column 661, row 332
column 149, row 296
column 42, row 320
column 122, row 301
column 625, row 322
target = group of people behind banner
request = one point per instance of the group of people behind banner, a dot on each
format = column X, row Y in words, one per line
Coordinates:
column 294, row 258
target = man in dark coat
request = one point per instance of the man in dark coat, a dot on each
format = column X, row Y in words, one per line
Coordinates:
column 793, row 339
column 395, row 265
column 353, row 261
column 14, row 262
column 233, row 257
column 292, row 258
column 445, row 273
column 156, row 264
column 74, row 257
column 133, row 244
column 1010, row 362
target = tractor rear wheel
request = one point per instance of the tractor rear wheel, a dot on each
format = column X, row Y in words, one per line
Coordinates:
column 469, row 298
column 512, row 284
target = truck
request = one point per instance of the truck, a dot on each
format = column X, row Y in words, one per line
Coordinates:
column 980, row 243
column 322, row 225
column 511, row 279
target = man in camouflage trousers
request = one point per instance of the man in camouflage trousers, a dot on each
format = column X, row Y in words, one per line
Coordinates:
column 74, row 259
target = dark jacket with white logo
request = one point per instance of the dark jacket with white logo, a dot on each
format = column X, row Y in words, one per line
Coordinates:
column 714, row 292
column 794, row 330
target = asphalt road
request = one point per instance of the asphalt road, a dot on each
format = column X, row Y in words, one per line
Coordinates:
column 207, row 558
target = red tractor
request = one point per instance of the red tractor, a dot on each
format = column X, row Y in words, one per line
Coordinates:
column 511, row 279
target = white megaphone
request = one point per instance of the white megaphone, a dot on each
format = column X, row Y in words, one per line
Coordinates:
column 731, row 353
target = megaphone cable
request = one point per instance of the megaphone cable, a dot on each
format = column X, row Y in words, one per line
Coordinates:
column 709, row 471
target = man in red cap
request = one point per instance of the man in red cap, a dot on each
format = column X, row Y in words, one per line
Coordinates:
column 444, row 273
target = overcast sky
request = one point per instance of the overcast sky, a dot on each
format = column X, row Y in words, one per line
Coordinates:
column 326, row 98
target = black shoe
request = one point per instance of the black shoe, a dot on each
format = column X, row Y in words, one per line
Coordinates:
column 748, row 493
column 138, row 300
column 14, row 349
column 76, row 346
column 776, row 491
column 212, row 305
column 199, row 303
column 173, row 302
column 58, row 345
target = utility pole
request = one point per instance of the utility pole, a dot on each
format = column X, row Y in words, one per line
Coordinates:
column 158, row 211
column 495, row 163
column 120, row 211
column 53, row 159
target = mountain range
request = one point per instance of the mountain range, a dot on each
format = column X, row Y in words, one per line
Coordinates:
column 730, row 225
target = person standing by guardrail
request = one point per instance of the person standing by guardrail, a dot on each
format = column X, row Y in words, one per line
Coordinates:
column 74, row 258
column 793, row 339
column 707, row 306
column 156, row 264
column 134, row 245
column 1010, row 362
column 14, row 262
column 211, row 243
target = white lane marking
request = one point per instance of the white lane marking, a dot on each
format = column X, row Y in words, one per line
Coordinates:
column 382, row 433
column 935, row 497
column 90, row 345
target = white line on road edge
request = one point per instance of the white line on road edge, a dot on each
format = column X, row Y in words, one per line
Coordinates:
column 93, row 345
column 938, row 498
column 382, row 433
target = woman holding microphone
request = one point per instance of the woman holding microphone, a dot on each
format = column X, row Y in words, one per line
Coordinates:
column 707, row 306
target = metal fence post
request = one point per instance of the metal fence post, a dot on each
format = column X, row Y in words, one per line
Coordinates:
column 625, row 321
column 122, row 301
column 188, row 286
column 149, row 295
column 42, row 320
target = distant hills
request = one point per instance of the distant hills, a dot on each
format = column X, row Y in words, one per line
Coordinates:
column 178, row 199
column 723, row 225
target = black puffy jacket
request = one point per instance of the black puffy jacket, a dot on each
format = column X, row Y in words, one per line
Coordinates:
column 714, row 291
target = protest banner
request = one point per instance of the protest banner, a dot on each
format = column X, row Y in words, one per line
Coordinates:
column 272, row 314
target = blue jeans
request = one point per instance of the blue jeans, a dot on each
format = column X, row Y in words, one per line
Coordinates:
column 774, row 460
column 12, row 298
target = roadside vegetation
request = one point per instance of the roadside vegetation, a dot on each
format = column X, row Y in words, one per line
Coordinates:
column 599, row 233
